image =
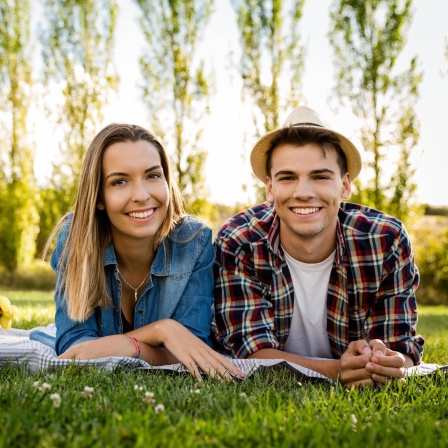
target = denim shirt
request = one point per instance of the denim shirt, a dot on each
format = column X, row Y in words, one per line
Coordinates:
column 179, row 287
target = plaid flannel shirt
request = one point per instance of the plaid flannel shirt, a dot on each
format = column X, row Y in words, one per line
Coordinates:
column 371, row 292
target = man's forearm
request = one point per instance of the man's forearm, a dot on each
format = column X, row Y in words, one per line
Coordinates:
column 327, row 367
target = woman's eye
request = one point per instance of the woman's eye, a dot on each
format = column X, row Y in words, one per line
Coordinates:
column 154, row 176
column 118, row 182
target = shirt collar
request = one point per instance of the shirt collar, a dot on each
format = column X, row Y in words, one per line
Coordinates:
column 160, row 265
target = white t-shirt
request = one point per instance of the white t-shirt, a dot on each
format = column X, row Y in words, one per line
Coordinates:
column 308, row 333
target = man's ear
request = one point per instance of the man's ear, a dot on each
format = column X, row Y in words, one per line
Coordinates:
column 269, row 195
column 346, row 186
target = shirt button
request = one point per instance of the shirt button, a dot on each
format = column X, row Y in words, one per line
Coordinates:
column 140, row 311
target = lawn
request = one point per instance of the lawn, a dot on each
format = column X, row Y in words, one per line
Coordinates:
column 271, row 408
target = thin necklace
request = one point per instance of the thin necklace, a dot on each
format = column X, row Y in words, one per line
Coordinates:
column 130, row 286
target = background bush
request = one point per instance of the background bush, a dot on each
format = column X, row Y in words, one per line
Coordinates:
column 430, row 239
column 37, row 275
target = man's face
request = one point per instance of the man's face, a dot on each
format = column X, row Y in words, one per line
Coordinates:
column 306, row 188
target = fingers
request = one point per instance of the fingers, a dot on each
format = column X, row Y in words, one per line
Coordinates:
column 210, row 362
column 378, row 349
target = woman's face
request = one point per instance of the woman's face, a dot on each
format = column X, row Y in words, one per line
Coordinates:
column 134, row 190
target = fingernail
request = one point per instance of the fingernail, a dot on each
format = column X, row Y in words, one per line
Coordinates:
column 379, row 353
column 367, row 350
column 241, row 374
column 369, row 367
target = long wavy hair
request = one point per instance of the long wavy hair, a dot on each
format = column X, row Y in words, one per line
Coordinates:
column 90, row 233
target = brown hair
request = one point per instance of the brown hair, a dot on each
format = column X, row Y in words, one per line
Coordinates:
column 84, row 278
column 301, row 136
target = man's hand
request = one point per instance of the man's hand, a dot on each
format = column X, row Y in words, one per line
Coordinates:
column 365, row 364
column 385, row 364
column 353, row 362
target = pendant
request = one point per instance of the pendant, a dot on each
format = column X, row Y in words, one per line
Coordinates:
column 135, row 295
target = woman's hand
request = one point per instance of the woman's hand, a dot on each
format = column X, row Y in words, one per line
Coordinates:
column 188, row 349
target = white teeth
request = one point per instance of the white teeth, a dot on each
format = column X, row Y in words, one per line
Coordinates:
column 305, row 211
column 141, row 215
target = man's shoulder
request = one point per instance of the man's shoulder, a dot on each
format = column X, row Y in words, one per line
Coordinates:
column 249, row 225
column 362, row 219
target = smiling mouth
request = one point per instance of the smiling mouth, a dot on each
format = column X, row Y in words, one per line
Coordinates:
column 305, row 211
column 141, row 215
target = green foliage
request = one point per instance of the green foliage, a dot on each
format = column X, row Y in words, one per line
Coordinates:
column 18, row 218
column 77, row 52
column 36, row 275
column 431, row 254
column 35, row 307
column 272, row 61
column 368, row 38
column 176, row 87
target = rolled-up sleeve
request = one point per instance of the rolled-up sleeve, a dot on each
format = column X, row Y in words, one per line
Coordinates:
column 393, row 316
column 244, row 312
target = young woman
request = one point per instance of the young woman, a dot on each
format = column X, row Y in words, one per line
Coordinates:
column 134, row 273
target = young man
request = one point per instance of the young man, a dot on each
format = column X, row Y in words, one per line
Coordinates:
column 306, row 278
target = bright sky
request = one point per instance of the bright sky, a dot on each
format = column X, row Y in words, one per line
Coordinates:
column 227, row 166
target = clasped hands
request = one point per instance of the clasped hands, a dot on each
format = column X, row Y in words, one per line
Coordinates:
column 365, row 364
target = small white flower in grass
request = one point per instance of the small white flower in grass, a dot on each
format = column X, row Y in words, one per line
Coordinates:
column 56, row 399
column 353, row 418
column 45, row 387
column 159, row 408
column 36, row 384
column 243, row 395
column 137, row 387
column 87, row 392
column 197, row 391
column 299, row 384
column 149, row 398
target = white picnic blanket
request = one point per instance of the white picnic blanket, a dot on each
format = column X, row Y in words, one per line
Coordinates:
column 16, row 348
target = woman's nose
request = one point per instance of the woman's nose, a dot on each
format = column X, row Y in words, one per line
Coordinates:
column 140, row 192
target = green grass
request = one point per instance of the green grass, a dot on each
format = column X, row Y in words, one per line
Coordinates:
column 35, row 307
column 271, row 408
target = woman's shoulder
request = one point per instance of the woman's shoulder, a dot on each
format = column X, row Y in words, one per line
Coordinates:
column 188, row 229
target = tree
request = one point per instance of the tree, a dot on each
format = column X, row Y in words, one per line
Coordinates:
column 77, row 51
column 271, row 61
column 18, row 218
column 368, row 37
column 176, row 87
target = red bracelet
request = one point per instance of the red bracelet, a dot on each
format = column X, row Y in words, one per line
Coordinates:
column 137, row 347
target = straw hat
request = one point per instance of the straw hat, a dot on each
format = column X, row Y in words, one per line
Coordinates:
column 304, row 117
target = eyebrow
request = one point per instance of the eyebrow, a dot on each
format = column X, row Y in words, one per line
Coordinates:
column 153, row 168
column 314, row 172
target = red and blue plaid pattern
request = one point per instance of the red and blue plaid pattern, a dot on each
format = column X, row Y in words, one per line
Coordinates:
column 371, row 293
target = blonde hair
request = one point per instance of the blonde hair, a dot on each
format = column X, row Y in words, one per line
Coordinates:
column 84, row 277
